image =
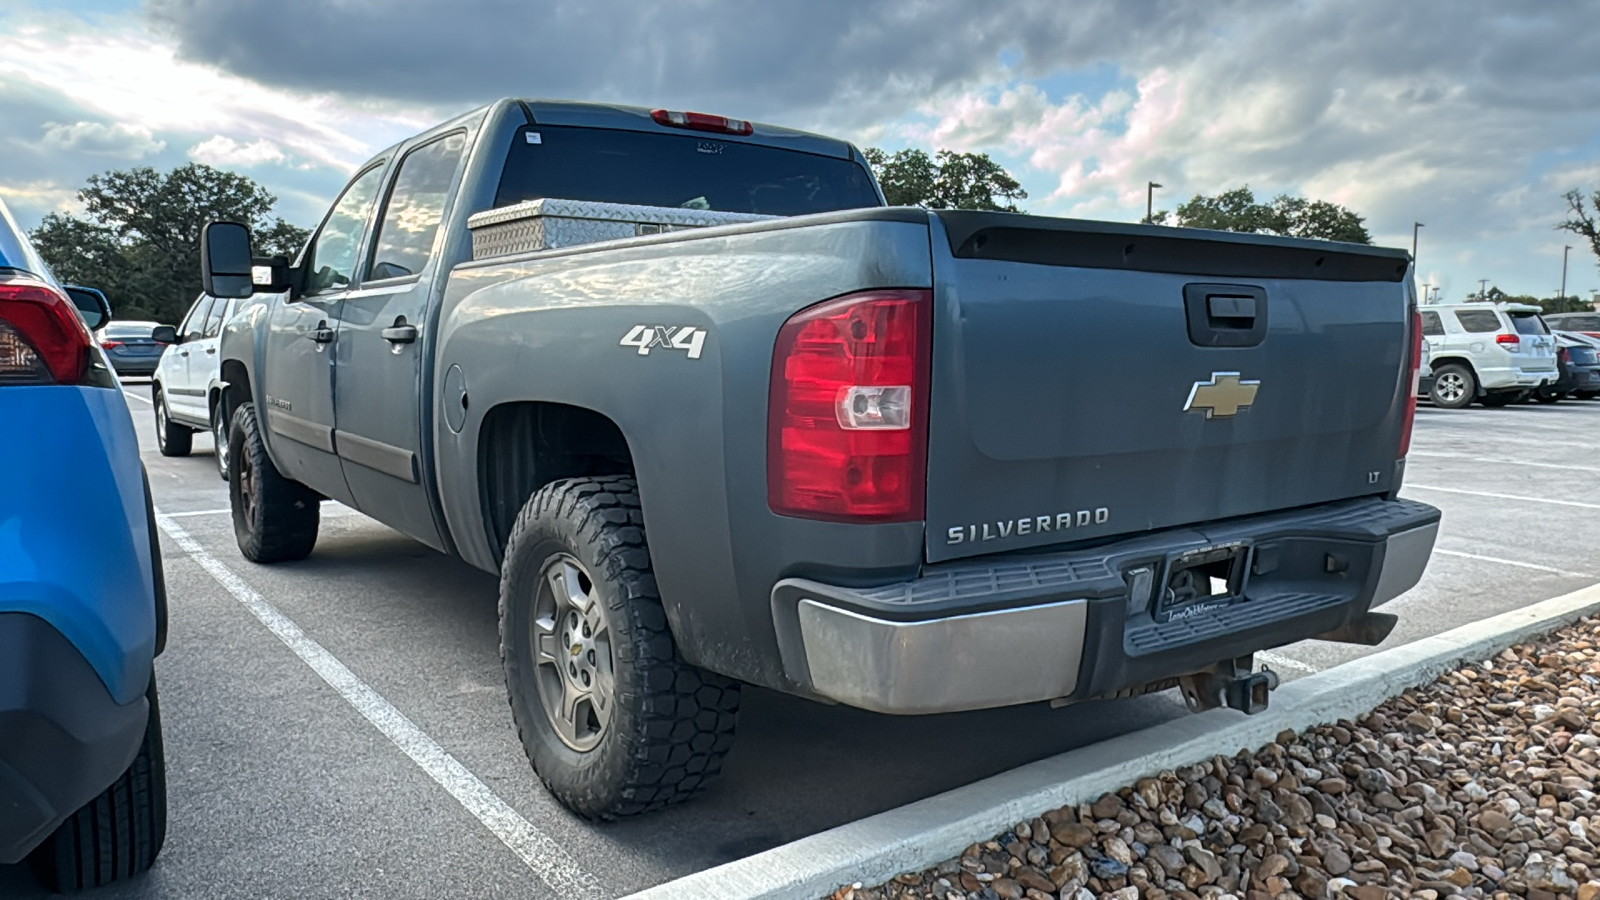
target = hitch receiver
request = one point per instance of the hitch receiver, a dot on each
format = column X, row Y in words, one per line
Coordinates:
column 1231, row 683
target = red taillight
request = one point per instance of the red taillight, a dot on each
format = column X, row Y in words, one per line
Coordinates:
column 107, row 345
column 1563, row 355
column 1508, row 340
column 42, row 340
column 847, row 415
column 1415, row 371
column 701, row 122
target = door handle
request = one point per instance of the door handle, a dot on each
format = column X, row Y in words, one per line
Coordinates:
column 400, row 334
column 211, row 349
column 322, row 334
column 183, row 353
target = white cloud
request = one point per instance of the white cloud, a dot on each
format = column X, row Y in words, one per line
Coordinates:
column 224, row 151
column 120, row 139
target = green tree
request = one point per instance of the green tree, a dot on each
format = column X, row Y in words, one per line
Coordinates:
column 1237, row 210
column 946, row 180
column 139, row 240
column 1546, row 304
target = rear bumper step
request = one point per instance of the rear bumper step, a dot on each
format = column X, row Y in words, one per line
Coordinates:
column 1018, row 629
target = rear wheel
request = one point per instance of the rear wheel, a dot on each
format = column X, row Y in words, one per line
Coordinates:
column 1496, row 401
column 1549, row 395
column 613, row 719
column 275, row 518
column 172, row 439
column 117, row 834
column 1453, row 386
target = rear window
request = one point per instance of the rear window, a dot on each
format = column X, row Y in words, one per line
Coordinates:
column 680, row 171
column 1432, row 325
column 1478, row 321
column 1528, row 323
column 128, row 330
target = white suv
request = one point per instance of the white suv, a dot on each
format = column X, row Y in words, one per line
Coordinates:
column 1494, row 352
column 188, row 382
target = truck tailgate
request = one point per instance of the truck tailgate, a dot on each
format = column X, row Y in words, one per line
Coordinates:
column 1092, row 380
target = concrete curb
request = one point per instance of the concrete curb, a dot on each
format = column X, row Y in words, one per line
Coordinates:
column 918, row 835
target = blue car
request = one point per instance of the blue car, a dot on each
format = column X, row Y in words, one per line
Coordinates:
column 82, row 599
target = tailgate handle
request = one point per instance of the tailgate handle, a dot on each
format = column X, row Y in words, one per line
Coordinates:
column 1225, row 315
column 1226, row 307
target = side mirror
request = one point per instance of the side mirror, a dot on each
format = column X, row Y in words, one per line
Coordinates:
column 91, row 304
column 225, row 260
column 164, row 334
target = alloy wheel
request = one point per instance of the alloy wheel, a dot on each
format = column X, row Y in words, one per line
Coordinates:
column 1450, row 387
column 572, row 654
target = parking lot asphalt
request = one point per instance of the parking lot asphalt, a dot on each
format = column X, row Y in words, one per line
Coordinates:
column 338, row 726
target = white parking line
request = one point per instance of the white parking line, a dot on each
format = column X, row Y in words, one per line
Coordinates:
column 1445, row 490
column 1510, row 462
column 1284, row 662
column 196, row 512
column 137, row 397
column 1512, row 562
column 536, row 849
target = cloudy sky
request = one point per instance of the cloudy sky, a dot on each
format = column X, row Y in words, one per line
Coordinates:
column 1460, row 114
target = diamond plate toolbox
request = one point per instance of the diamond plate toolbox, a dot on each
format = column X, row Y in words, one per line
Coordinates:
column 549, row 223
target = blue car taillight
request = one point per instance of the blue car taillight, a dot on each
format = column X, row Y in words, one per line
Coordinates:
column 42, row 339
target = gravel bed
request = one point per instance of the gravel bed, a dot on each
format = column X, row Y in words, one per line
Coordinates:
column 1481, row 784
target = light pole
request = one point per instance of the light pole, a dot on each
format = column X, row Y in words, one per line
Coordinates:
column 1483, row 288
column 1564, row 251
column 1414, row 227
column 1150, row 202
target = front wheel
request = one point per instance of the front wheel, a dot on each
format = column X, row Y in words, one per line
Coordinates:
column 275, row 518
column 172, row 439
column 1550, row 395
column 219, row 440
column 117, row 834
column 613, row 719
column 1453, row 387
column 1497, row 401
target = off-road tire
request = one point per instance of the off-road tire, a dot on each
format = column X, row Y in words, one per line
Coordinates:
column 118, row 834
column 671, row 723
column 275, row 518
column 1458, row 374
column 172, row 439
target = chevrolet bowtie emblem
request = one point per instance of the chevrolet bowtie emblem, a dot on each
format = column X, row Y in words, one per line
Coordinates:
column 1223, row 395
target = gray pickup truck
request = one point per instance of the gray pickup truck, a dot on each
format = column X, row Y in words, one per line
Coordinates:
column 894, row 458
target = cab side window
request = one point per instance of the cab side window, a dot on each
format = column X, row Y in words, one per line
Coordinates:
column 1432, row 325
column 193, row 327
column 331, row 258
column 415, row 208
column 215, row 317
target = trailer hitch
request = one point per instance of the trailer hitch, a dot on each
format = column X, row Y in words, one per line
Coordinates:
column 1232, row 683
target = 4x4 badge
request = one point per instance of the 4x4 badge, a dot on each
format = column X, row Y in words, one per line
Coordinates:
column 1224, row 395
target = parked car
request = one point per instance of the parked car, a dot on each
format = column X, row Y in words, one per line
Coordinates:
column 1586, row 323
column 82, row 599
column 1495, row 353
column 188, row 383
column 718, row 416
column 1579, row 358
column 132, row 347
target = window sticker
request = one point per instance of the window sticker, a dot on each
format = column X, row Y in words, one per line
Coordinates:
column 533, row 137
